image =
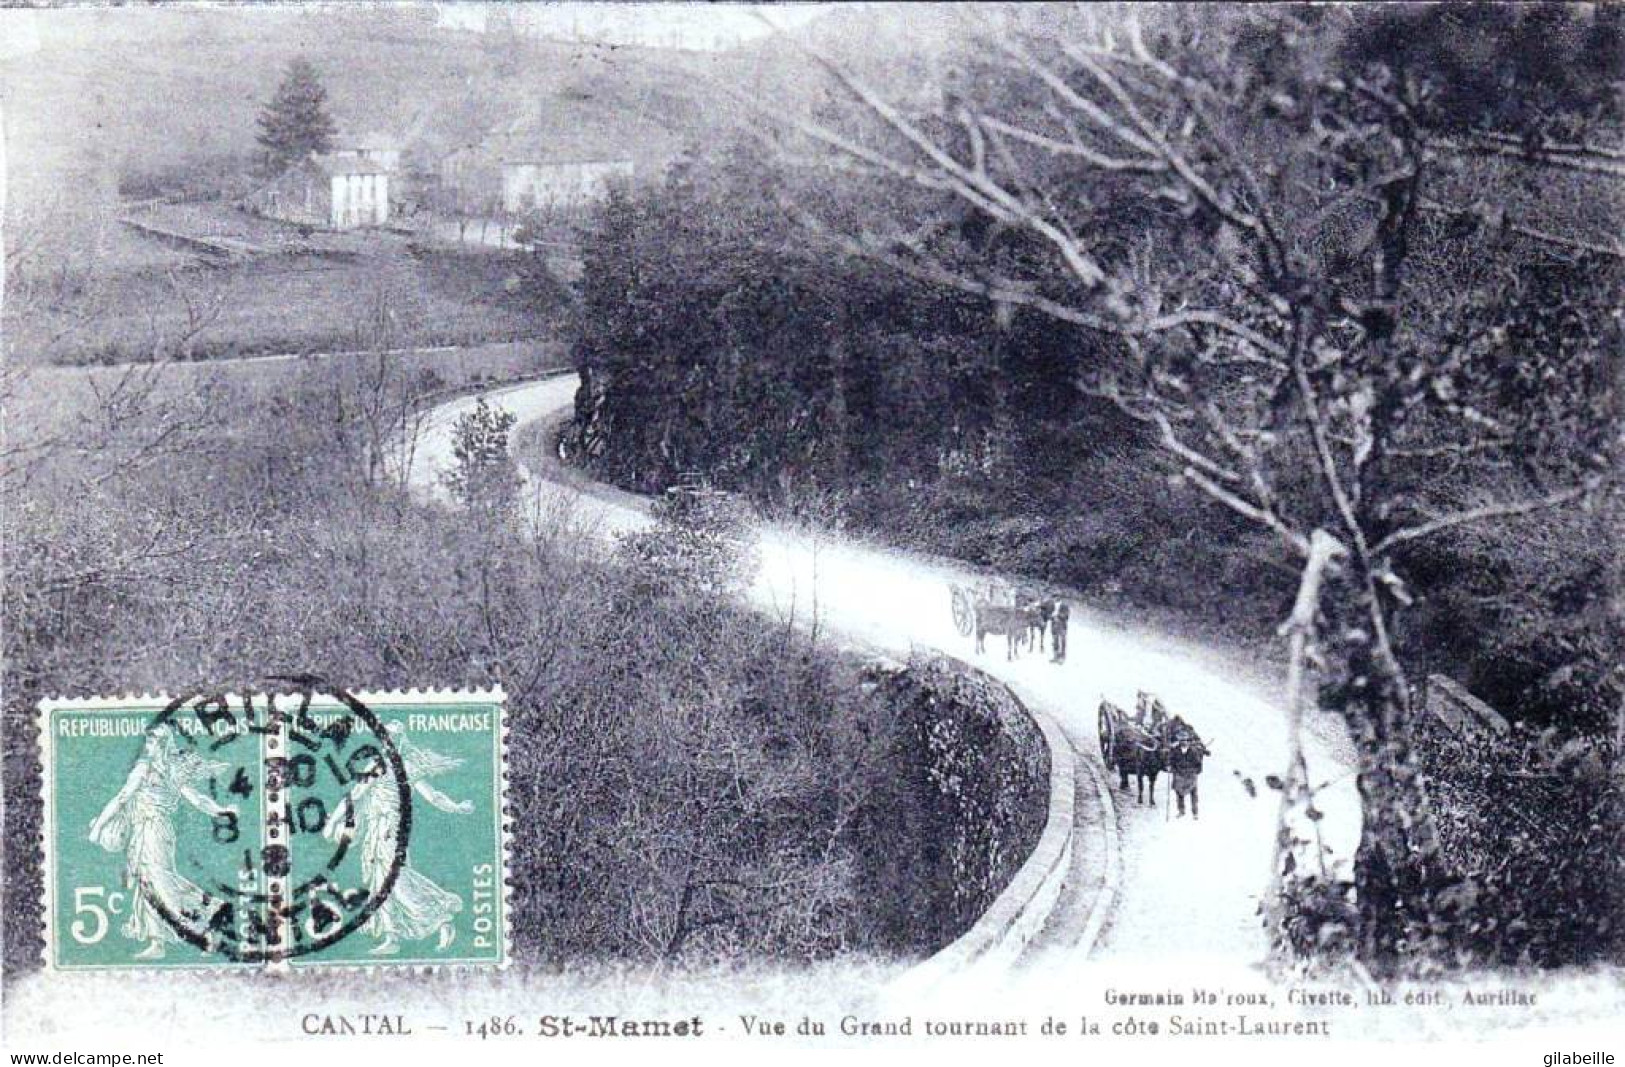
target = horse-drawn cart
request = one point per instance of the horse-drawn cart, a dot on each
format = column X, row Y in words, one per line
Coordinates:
column 992, row 607
column 995, row 606
column 1148, row 742
column 1106, row 727
column 969, row 600
column 1132, row 746
column 1123, row 737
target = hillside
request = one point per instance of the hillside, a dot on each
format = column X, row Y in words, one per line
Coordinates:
column 111, row 93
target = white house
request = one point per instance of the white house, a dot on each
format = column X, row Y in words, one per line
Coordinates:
column 339, row 192
column 359, row 192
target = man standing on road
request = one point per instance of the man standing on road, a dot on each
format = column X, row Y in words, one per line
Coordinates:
column 1185, row 762
column 1058, row 630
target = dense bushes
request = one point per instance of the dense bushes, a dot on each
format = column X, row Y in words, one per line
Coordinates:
column 963, row 802
column 717, row 339
column 1522, row 616
column 1534, row 876
column 1534, row 846
column 713, row 341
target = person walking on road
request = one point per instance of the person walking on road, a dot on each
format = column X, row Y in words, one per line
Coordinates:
column 1058, row 630
column 1046, row 618
column 1185, row 761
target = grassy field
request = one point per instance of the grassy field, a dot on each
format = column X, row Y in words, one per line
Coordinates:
column 391, row 299
column 50, row 400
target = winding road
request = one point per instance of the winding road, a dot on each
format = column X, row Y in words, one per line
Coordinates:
column 1141, row 886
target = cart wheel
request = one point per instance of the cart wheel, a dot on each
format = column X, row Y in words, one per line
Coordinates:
column 1103, row 727
column 964, row 613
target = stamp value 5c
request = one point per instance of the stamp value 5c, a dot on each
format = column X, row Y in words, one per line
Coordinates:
column 298, row 829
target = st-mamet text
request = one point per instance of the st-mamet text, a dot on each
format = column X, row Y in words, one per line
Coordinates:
column 615, row 1026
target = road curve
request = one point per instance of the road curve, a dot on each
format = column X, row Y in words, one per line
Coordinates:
column 1189, row 890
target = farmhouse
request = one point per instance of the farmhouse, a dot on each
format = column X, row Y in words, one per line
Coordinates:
column 539, row 185
column 337, row 191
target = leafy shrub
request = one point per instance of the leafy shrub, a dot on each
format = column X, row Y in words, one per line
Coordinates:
column 484, row 479
column 701, row 542
column 1313, row 925
column 1538, row 875
column 962, row 801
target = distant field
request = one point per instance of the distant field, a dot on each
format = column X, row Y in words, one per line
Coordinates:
column 213, row 219
column 221, row 219
column 48, row 400
column 392, row 299
column 97, row 240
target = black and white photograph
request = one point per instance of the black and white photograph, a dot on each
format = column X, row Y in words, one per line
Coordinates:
column 720, row 530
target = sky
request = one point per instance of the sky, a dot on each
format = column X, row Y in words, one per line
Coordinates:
column 681, row 25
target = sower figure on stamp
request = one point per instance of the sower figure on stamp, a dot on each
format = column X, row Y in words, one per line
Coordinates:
column 1058, row 630
column 140, row 822
column 417, row 908
column 1185, row 762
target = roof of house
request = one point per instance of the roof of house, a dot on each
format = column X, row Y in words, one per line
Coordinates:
column 339, row 164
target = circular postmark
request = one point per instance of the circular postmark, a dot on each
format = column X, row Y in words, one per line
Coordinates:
column 309, row 814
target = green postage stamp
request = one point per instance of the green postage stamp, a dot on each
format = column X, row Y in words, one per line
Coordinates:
column 318, row 828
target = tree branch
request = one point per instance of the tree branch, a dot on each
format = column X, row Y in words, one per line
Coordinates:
column 1269, row 519
column 1592, row 162
column 1224, row 324
column 1577, row 244
column 1242, row 220
column 929, row 270
column 1073, row 149
column 1064, row 91
column 1206, row 474
column 1319, row 436
column 1550, row 148
column 1506, row 510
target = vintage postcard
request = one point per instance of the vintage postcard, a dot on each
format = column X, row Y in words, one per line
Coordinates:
column 1080, row 531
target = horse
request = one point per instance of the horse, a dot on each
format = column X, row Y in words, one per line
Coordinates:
column 1012, row 622
column 1141, row 751
column 1131, row 745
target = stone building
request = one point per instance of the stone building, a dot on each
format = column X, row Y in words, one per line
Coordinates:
column 557, row 184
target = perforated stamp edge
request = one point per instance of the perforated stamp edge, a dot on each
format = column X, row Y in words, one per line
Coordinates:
column 45, row 751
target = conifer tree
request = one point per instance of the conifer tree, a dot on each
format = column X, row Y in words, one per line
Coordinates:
column 295, row 124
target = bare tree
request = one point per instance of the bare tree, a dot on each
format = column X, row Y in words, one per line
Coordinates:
column 1270, row 262
column 379, row 411
column 175, row 327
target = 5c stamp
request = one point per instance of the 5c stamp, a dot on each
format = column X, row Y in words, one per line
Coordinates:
column 305, row 829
